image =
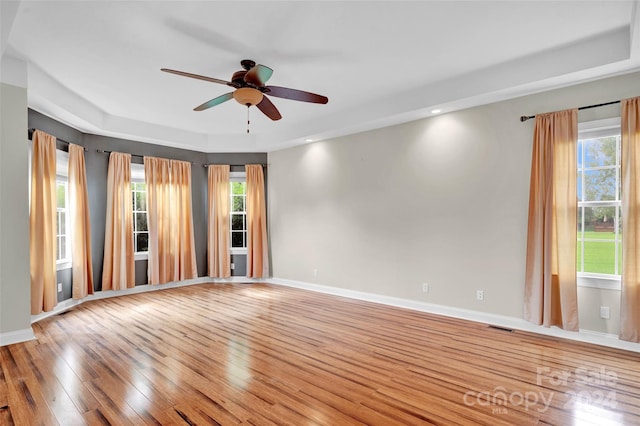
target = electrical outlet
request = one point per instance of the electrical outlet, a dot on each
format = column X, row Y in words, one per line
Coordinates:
column 59, row 287
column 425, row 287
column 604, row 312
column 480, row 294
column 233, row 266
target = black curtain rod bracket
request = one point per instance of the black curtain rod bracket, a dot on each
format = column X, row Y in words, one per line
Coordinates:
column 524, row 118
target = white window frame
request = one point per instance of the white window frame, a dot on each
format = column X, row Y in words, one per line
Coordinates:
column 591, row 130
column 65, row 262
column 62, row 175
column 236, row 177
column 137, row 176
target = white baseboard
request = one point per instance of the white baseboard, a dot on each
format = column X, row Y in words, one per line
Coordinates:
column 587, row 336
column 65, row 305
column 17, row 336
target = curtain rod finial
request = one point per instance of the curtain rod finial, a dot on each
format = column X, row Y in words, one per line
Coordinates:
column 524, row 118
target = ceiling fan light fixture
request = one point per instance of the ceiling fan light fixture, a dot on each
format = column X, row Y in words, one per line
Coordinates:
column 247, row 96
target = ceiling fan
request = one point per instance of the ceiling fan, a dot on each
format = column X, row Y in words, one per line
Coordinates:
column 251, row 89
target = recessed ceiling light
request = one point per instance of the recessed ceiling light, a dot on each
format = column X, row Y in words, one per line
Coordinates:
column 435, row 111
column 308, row 140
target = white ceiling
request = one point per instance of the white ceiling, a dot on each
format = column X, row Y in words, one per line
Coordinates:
column 96, row 64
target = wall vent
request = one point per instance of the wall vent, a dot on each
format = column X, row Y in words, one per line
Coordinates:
column 497, row 327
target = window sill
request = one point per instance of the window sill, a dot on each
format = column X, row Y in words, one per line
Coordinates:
column 237, row 251
column 63, row 264
column 143, row 255
column 601, row 281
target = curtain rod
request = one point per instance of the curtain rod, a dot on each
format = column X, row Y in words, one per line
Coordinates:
column 231, row 165
column 103, row 151
column 204, row 165
column 525, row 118
column 30, row 136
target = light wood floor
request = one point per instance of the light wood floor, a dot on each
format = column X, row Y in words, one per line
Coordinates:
column 261, row 355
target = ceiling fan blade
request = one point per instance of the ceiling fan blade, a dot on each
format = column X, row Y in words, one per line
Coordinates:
column 296, row 95
column 215, row 101
column 269, row 109
column 258, row 75
column 199, row 77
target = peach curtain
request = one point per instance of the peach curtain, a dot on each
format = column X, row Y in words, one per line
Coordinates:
column 183, row 243
column 550, row 284
column 630, row 176
column 42, row 223
column 219, row 262
column 156, row 175
column 82, row 267
column 172, row 254
column 257, row 246
column 118, row 263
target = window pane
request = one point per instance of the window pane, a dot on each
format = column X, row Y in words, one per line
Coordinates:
column 600, row 152
column 237, row 222
column 141, row 201
column 599, row 222
column 142, row 242
column 579, row 153
column 620, row 258
column 238, row 188
column 599, row 257
column 60, row 195
column 579, row 256
column 141, row 222
column 238, row 204
column 62, row 230
column 63, row 248
column 600, row 185
column 579, row 187
column 237, row 239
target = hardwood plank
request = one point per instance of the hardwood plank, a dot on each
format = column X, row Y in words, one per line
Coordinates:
column 238, row 354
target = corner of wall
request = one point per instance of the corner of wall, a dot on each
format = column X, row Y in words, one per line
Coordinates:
column 18, row 336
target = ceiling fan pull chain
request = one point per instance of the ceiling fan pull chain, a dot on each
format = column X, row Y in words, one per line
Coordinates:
column 248, row 122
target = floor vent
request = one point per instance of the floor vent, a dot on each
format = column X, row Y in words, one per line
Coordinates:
column 501, row 328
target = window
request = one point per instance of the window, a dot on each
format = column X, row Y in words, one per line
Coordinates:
column 140, row 229
column 63, row 239
column 238, row 193
column 599, row 251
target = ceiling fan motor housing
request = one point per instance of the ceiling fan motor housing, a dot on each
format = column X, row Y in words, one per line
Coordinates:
column 238, row 78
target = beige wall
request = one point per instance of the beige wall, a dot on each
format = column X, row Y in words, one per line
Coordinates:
column 442, row 200
column 15, row 291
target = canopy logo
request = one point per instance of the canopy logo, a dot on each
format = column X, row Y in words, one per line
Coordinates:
column 584, row 378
